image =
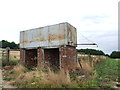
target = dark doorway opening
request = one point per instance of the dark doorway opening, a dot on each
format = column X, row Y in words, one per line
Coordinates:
column 51, row 57
column 31, row 57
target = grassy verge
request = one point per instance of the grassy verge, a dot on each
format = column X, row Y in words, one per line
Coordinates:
column 107, row 73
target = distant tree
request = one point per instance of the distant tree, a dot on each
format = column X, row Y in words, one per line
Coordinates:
column 12, row 45
column 115, row 54
column 91, row 51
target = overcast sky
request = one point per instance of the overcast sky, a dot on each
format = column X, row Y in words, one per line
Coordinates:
column 96, row 20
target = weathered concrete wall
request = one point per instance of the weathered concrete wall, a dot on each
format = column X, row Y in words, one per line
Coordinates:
column 88, row 62
column 49, row 36
column 68, row 57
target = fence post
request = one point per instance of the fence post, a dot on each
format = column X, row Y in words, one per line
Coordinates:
column 8, row 53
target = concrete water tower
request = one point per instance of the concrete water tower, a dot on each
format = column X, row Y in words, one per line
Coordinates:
column 54, row 44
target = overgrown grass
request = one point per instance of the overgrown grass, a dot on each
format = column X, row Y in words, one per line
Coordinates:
column 40, row 79
column 102, row 76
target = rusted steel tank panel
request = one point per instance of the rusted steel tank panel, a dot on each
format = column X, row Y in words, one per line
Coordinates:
column 49, row 36
column 72, row 35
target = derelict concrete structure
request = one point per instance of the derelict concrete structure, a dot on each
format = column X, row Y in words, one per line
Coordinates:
column 54, row 45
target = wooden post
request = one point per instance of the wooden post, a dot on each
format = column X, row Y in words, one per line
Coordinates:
column 8, row 53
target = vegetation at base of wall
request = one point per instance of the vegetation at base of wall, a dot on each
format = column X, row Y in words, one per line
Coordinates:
column 12, row 45
column 91, row 51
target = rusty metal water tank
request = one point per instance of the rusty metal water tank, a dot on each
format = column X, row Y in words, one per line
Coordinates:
column 49, row 36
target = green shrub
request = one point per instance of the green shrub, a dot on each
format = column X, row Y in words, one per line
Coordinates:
column 10, row 63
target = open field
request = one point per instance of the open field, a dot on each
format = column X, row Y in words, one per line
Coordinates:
column 14, row 55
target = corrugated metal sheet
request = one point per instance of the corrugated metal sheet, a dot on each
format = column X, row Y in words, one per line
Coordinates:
column 49, row 36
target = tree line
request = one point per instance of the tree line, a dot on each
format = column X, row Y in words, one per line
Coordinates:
column 11, row 45
column 91, row 51
column 114, row 54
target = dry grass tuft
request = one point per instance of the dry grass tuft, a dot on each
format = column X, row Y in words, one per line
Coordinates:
column 18, row 69
column 56, row 78
column 39, row 78
column 27, row 77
